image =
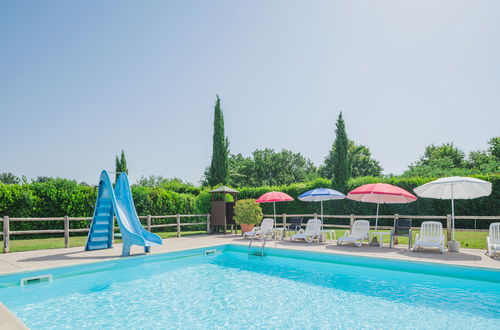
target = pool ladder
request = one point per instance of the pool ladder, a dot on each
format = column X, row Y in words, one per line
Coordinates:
column 263, row 239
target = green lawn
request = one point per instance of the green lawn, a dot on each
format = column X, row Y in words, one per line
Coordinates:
column 74, row 241
column 474, row 240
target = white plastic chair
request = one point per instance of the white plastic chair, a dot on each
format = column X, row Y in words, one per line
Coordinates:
column 266, row 228
column 430, row 236
column 493, row 239
column 311, row 233
column 358, row 233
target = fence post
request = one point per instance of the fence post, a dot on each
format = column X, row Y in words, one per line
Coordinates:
column 284, row 220
column 148, row 223
column 448, row 227
column 178, row 225
column 6, row 234
column 351, row 222
column 208, row 223
column 66, row 231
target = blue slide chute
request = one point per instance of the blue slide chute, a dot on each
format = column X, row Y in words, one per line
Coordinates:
column 118, row 202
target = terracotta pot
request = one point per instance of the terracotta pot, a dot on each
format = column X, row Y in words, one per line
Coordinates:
column 246, row 227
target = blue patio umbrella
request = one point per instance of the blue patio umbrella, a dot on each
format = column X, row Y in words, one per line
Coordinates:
column 320, row 195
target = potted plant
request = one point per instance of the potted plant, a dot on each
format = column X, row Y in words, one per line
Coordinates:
column 247, row 214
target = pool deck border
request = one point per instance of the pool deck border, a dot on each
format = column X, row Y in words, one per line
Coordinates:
column 17, row 262
column 9, row 321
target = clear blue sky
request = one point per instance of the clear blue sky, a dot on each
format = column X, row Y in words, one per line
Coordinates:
column 80, row 80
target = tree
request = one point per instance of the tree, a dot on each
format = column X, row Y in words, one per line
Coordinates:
column 217, row 173
column 120, row 165
column 9, row 178
column 494, row 148
column 486, row 161
column 448, row 160
column 361, row 162
column 123, row 162
column 340, row 162
column 267, row 167
column 445, row 151
column 118, row 168
column 441, row 160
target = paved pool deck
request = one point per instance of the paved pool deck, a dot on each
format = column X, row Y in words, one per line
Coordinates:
column 42, row 259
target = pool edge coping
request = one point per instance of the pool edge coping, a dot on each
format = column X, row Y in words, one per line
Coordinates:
column 9, row 320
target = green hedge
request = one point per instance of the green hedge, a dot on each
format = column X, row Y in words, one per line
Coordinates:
column 423, row 206
column 60, row 197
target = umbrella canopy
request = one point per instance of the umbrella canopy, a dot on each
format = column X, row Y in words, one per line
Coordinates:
column 381, row 193
column 320, row 195
column 274, row 196
column 455, row 187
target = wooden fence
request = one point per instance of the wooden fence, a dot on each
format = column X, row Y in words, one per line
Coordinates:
column 6, row 232
column 348, row 220
column 351, row 218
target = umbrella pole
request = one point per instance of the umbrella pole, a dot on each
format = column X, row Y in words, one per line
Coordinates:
column 274, row 225
column 376, row 218
column 321, row 215
column 452, row 216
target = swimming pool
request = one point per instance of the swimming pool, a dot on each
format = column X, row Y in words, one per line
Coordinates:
column 230, row 289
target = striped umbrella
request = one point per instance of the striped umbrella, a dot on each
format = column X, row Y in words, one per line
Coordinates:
column 320, row 195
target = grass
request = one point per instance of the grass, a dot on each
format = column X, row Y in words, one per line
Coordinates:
column 473, row 240
column 74, row 241
column 468, row 239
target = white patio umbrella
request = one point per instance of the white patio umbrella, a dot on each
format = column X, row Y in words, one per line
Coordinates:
column 320, row 195
column 455, row 187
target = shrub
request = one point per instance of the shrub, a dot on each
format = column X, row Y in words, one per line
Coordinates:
column 247, row 211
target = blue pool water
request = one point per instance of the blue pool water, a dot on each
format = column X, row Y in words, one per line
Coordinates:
column 285, row 289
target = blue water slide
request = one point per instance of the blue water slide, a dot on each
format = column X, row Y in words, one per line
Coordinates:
column 118, row 202
column 101, row 230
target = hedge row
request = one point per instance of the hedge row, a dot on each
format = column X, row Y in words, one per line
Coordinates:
column 60, row 197
column 423, row 206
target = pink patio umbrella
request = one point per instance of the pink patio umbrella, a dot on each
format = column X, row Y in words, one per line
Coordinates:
column 381, row 193
column 274, row 196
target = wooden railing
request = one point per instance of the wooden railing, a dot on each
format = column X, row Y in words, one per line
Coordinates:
column 6, row 232
column 351, row 218
column 348, row 220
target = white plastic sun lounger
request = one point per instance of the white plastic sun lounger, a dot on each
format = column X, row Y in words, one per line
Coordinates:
column 311, row 233
column 493, row 239
column 358, row 233
column 265, row 229
column 430, row 236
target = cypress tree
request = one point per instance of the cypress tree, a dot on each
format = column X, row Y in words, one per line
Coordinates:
column 123, row 162
column 118, row 168
column 341, row 166
column 218, row 171
column 120, row 165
